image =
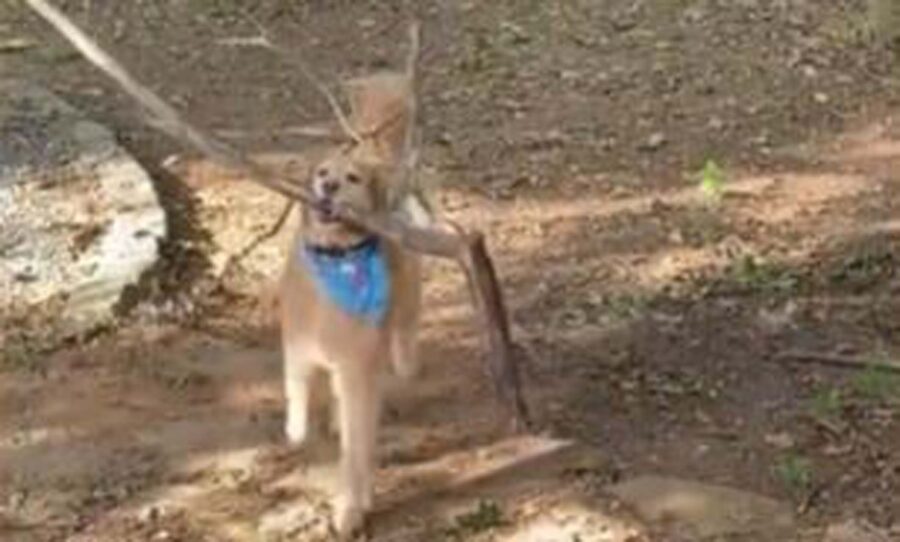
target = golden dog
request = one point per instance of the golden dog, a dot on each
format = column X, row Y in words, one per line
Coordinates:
column 350, row 300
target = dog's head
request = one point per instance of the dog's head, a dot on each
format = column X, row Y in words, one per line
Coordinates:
column 344, row 178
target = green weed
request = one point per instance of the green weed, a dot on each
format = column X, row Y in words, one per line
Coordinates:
column 876, row 382
column 761, row 276
column 795, row 472
column 865, row 268
column 712, row 181
column 827, row 402
column 487, row 515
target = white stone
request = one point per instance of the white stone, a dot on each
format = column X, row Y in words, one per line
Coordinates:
column 79, row 218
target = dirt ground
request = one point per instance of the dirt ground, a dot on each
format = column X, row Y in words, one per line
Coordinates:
column 664, row 312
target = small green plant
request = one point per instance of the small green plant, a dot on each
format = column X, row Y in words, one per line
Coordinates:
column 748, row 271
column 486, row 516
column 20, row 354
column 14, row 355
column 626, row 306
column 865, row 268
column 827, row 402
column 876, row 382
column 712, row 181
column 761, row 276
column 795, row 472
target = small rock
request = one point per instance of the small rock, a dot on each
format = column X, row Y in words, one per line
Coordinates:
column 782, row 441
column 15, row 45
column 820, row 98
column 119, row 30
column 104, row 191
column 607, row 143
column 656, row 141
column 624, row 24
column 715, row 123
column 171, row 162
column 761, row 140
column 149, row 514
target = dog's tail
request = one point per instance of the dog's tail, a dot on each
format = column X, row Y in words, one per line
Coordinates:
column 381, row 106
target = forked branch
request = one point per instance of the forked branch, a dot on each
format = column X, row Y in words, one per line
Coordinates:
column 467, row 248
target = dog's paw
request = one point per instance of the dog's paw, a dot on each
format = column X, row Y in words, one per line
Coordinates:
column 295, row 430
column 349, row 522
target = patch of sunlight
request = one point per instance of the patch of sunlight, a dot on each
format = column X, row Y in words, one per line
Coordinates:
column 790, row 197
column 458, row 470
column 525, row 227
column 449, row 313
column 218, row 496
column 874, row 150
column 872, row 142
column 250, row 396
column 233, row 460
column 572, row 522
column 887, row 227
column 665, row 266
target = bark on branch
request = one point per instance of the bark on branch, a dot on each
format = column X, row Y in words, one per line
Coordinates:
column 836, row 360
column 466, row 248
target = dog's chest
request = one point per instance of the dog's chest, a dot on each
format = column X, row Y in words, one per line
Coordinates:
column 356, row 281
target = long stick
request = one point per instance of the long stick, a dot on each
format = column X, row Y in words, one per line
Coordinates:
column 468, row 249
column 836, row 360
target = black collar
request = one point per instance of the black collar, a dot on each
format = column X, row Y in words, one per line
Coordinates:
column 335, row 251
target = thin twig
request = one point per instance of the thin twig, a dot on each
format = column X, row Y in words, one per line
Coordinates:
column 812, row 495
column 835, row 360
column 834, row 428
column 264, row 40
column 312, row 132
column 410, row 154
column 273, row 230
column 412, row 61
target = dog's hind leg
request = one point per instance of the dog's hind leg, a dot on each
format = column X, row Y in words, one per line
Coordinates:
column 405, row 352
column 404, row 333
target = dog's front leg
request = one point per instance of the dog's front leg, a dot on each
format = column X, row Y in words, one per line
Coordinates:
column 298, row 374
column 359, row 402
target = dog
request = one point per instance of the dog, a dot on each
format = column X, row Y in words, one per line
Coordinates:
column 349, row 300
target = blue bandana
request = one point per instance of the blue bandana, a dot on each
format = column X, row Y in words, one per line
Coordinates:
column 355, row 279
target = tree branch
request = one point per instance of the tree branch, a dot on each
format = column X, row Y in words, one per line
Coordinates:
column 468, row 249
column 836, row 360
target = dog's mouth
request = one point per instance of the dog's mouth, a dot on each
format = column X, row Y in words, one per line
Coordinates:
column 325, row 211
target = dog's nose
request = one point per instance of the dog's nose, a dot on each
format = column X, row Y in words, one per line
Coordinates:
column 330, row 187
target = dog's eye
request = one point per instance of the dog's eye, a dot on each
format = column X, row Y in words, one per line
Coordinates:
column 353, row 178
column 323, row 172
